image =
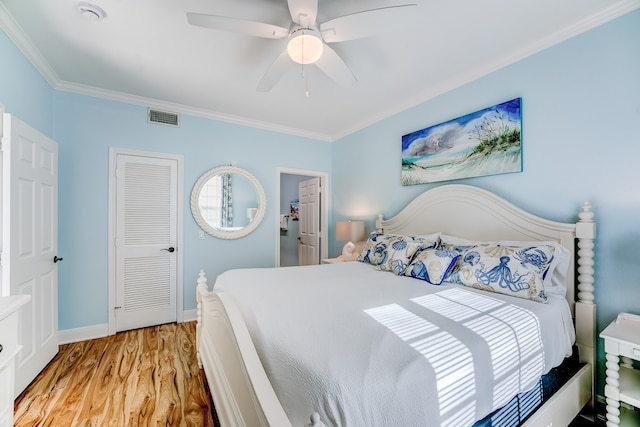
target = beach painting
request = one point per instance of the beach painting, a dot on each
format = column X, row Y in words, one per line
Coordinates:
column 487, row 142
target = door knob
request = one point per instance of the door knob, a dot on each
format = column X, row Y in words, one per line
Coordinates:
column 56, row 259
column 171, row 249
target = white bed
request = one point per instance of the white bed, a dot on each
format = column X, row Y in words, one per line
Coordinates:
column 256, row 380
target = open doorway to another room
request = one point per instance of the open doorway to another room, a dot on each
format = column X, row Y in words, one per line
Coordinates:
column 291, row 238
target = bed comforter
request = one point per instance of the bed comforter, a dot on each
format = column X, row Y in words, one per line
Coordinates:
column 368, row 348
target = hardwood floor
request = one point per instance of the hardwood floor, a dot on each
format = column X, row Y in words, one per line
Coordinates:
column 144, row 377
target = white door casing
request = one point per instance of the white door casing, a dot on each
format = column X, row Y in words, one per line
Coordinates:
column 30, row 242
column 146, row 214
column 324, row 207
column 309, row 218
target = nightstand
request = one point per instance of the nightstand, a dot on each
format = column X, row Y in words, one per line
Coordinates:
column 332, row 260
column 622, row 346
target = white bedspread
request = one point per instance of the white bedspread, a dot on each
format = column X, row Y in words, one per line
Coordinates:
column 367, row 348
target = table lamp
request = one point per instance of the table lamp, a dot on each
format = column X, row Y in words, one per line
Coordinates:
column 349, row 231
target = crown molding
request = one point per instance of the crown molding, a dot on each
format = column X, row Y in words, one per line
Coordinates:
column 509, row 58
column 185, row 109
column 25, row 45
column 31, row 52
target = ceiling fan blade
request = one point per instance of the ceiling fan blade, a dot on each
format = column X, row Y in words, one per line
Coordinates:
column 367, row 23
column 275, row 72
column 334, row 67
column 251, row 28
column 303, row 12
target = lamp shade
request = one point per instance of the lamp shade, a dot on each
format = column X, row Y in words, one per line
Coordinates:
column 352, row 231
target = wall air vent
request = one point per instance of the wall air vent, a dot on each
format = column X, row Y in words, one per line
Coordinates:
column 163, row 117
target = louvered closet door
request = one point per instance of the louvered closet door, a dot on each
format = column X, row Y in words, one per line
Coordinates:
column 146, row 222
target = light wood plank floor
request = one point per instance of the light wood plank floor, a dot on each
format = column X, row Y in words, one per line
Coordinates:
column 144, row 377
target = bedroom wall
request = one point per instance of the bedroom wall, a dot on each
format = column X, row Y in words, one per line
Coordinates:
column 85, row 127
column 23, row 91
column 580, row 113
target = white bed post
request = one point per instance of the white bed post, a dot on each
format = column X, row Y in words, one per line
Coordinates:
column 202, row 286
column 585, row 309
column 379, row 222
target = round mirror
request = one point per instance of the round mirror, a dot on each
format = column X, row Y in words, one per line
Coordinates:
column 228, row 202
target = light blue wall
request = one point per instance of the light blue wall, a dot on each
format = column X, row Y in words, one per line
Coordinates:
column 23, row 91
column 85, row 129
column 581, row 142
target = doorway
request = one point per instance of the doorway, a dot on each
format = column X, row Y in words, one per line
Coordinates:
column 288, row 228
column 145, row 223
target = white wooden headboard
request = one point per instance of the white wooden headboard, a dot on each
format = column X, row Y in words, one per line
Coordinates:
column 476, row 214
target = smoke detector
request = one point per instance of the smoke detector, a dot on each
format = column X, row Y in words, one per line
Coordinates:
column 90, row 11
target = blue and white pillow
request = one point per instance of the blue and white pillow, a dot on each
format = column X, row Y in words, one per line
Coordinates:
column 507, row 269
column 554, row 279
column 391, row 252
column 432, row 265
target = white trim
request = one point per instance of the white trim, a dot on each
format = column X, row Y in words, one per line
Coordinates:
column 190, row 315
column 84, row 333
column 324, row 201
column 113, row 152
column 68, row 336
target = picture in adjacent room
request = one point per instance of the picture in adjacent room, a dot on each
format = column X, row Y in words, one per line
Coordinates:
column 487, row 142
column 294, row 211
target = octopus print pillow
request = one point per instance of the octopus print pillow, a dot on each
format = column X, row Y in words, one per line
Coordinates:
column 512, row 270
column 390, row 252
column 432, row 265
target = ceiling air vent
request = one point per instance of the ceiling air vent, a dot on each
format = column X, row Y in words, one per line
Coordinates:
column 162, row 117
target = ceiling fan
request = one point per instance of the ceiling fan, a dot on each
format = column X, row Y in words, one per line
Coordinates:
column 307, row 39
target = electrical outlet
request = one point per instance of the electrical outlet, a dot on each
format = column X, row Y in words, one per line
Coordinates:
column 201, row 235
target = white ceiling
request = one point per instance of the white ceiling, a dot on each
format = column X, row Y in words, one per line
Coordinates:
column 145, row 52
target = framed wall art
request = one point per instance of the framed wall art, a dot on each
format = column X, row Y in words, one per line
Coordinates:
column 486, row 142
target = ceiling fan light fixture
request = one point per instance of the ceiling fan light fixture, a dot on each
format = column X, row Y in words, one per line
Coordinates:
column 305, row 46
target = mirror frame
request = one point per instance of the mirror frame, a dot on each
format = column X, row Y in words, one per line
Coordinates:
column 219, row 233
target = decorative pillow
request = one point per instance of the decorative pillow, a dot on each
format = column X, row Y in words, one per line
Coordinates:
column 432, row 265
column 391, row 252
column 512, row 270
column 554, row 278
column 456, row 243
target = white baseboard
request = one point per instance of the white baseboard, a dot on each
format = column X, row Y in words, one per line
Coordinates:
column 67, row 336
column 190, row 315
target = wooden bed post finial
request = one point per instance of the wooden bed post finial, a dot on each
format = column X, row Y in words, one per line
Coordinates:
column 379, row 222
column 586, row 233
column 202, row 279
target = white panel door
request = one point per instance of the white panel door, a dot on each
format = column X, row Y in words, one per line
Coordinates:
column 30, row 242
column 146, row 241
column 309, row 218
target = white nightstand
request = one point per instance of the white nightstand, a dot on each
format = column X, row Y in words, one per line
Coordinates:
column 622, row 345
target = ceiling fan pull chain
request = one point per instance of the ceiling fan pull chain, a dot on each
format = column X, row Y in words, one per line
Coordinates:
column 306, row 83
